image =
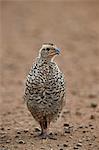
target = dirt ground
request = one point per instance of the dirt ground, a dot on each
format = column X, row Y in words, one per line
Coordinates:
column 74, row 27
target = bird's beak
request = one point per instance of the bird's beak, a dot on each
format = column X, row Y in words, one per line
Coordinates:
column 57, row 51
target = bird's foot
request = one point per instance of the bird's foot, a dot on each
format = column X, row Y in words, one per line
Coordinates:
column 47, row 136
column 43, row 136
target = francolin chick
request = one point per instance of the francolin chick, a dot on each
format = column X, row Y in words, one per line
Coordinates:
column 44, row 91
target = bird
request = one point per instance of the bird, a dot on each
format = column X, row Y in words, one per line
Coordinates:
column 45, row 88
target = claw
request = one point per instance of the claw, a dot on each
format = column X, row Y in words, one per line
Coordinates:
column 47, row 136
column 43, row 136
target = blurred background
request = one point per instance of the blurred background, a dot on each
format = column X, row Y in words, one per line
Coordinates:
column 74, row 27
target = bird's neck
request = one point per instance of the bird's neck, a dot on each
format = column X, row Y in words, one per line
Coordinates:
column 44, row 60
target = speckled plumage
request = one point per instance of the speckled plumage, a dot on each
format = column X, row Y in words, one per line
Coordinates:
column 44, row 92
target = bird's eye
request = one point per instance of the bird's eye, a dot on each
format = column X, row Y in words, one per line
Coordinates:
column 43, row 49
column 47, row 49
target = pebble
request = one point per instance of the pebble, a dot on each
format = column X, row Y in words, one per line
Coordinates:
column 79, row 144
column 75, row 147
column 66, row 124
column 2, row 129
column 65, row 145
column 32, row 143
column 90, row 125
column 3, row 136
column 16, row 136
column 31, row 133
column 80, row 141
column 92, row 117
column 8, row 129
column 81, row 126
column 51, row 136
column 8, row 141
column 92, row 95
column 67, row 130
column 70, row 137
column 26, row 130
column 84, row 131
column 50, row 133
column 21, row 142
column 66, row 111
column 18, row 132
column 93, row 105
column 55, row 133
column 37, row 129
column 67, row 141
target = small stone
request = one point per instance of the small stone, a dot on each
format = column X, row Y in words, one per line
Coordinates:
column 50, row 133
column 70, row 137
column 26, row 130
column 9, row 112
column 61, row 149
column 2, row 129
column 93, row 105
column 51, row 136
column 84, row 131
column 67, row 141
column 81, row 126
column 18, row 132
column 75, row 147
column 90, row 125
column 8, row 141
column 66, row 111
column 3, row 146
column 95, row 136
column 55, row 133
column 31, row 133
column 80, row 141
column 92, row 95
column 8, row 129
column 17, row 136
column 92, row 117
column 32, row 143
column 65, row 145
column 21, row 142
column 67, row 130
column 66, row 124
column 3, row 136
column 79, row 144
column 37, row 129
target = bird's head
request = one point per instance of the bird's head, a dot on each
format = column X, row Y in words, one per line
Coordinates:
column 48, row 51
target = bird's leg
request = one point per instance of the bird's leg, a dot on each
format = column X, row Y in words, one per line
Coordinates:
column 43, row 134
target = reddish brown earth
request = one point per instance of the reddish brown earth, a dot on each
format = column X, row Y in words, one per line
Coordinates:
column 74, row 27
